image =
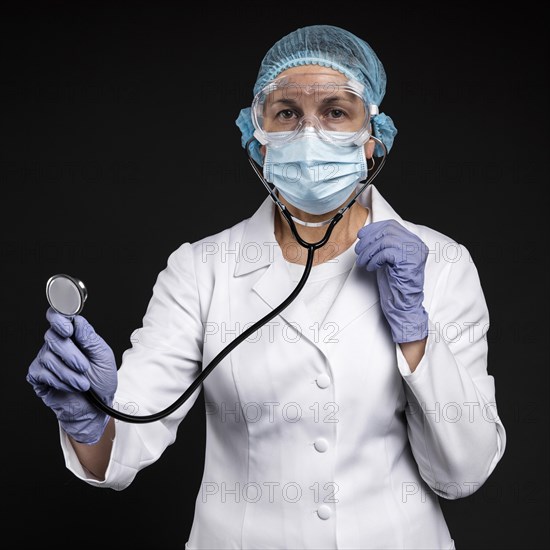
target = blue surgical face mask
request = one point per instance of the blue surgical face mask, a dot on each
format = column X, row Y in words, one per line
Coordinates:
column 315, row 175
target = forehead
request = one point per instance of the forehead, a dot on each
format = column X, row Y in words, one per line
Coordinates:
column 311, row 82
column 312, row 86
column 311, row 75
column 312, row 70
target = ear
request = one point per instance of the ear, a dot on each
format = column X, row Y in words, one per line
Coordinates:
column 369, row 148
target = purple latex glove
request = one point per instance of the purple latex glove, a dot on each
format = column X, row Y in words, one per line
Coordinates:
column 65, row 367
column 399, row 257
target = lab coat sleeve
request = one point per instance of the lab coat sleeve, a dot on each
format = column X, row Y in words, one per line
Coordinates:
column 164, row 359
column 454, row 430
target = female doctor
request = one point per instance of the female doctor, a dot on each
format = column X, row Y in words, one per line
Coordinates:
column 340, row 422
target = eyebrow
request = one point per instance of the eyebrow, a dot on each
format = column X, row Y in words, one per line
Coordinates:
column 334, row 98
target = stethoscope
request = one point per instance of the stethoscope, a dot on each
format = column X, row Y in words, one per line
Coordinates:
column 67, row 294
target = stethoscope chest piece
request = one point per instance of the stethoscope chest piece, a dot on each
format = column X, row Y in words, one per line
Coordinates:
column 66, row 294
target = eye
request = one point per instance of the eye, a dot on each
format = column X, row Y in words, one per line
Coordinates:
column 336, row 113
column 286, row 114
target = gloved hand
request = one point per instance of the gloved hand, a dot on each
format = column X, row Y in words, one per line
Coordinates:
column 64, row 368
column 399, row 257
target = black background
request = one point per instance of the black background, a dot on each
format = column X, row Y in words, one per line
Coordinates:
column 118, row 143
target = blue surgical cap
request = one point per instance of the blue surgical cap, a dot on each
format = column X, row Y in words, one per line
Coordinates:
column 327, row 46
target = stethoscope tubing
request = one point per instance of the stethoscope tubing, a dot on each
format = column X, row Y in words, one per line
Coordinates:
column 311, row 248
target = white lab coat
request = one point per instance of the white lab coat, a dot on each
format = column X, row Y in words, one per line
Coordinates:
column 317, row 436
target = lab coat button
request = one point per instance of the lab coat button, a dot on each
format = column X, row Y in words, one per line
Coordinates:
column 324, row 511
column 321, row 444
column 323, row 381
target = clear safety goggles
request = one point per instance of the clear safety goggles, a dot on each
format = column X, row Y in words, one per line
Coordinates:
column 334, row 107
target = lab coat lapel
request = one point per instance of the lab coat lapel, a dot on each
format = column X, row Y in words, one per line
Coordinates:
column 275, row 284
column 360, row 290
column 274, row 287
column 358, row 294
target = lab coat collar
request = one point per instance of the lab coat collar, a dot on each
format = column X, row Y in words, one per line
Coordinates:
column 258, row 242
column 358, row 294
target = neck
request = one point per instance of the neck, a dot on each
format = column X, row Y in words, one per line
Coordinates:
column 342, row 237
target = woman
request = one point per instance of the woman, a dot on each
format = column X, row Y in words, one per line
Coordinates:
column 340, row 422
